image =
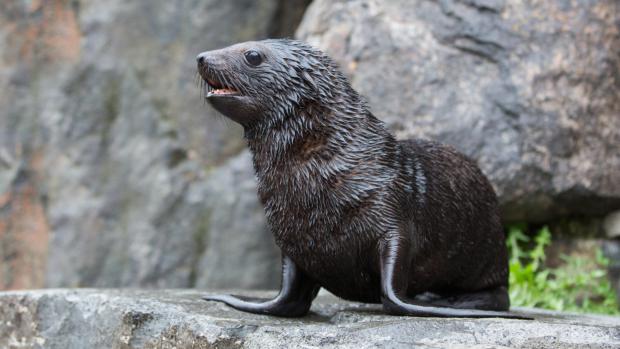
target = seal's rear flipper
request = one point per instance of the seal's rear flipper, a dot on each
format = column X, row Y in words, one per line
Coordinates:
column 394, row 272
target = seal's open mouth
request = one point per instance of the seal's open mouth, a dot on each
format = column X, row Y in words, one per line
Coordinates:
column 217, row 89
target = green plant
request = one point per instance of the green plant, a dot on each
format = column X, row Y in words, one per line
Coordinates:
column 578, row 285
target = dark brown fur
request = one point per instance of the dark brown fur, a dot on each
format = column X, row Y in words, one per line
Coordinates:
column 410, row 224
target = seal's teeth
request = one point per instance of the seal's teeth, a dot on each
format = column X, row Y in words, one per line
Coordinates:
column 222, row 92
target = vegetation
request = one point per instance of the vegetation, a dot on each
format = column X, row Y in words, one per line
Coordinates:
column 578, row 285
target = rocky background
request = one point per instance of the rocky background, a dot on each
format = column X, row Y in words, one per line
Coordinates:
column 113, row 172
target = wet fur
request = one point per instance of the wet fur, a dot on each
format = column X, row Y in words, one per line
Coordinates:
column 336, row 186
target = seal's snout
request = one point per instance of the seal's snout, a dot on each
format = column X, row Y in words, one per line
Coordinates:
column 201, row 59
column 217, row 83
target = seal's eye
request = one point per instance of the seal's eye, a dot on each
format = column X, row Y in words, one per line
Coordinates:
column 253, row 58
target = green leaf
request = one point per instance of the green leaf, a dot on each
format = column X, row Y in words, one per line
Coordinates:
column 578, row 284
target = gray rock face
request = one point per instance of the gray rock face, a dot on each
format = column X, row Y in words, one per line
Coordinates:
column 240, row 249
column 84, row 319
column 108, row 154
column 101, row 120
column 528, row 88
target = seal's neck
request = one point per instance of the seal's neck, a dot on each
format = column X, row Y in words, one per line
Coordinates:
column 318, row 135
column 334, row 107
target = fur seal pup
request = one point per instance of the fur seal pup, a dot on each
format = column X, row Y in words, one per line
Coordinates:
column 411, row 224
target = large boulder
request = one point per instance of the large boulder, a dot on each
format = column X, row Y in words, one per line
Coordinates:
column 527, row 88
column 126, row 319
column 105, row 141
column 240, row 249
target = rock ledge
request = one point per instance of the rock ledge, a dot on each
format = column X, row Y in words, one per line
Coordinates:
column 97, row 318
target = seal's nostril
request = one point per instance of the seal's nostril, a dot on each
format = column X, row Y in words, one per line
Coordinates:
column 200, row 58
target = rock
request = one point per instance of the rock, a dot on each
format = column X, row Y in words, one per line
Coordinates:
column 105, row 139
column 611, row 225
column 179, row 319
column 240, row 249
column 578, row 227
column 560, row 248
column 527, row 88
column 23, row 234
column 124, row 196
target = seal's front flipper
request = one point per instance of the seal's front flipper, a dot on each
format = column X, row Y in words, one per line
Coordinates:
column 294, row 300
column 220, row 298
column 275, row 307
column 394, row 280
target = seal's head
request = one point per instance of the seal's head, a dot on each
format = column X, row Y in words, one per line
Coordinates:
column 260, row 82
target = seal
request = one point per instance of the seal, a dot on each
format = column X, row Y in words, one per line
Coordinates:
column 412, row 224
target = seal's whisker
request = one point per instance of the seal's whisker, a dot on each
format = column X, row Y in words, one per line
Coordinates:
column 203, row 93
column 234, row 85
column 222, row 78
column 226, row 82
